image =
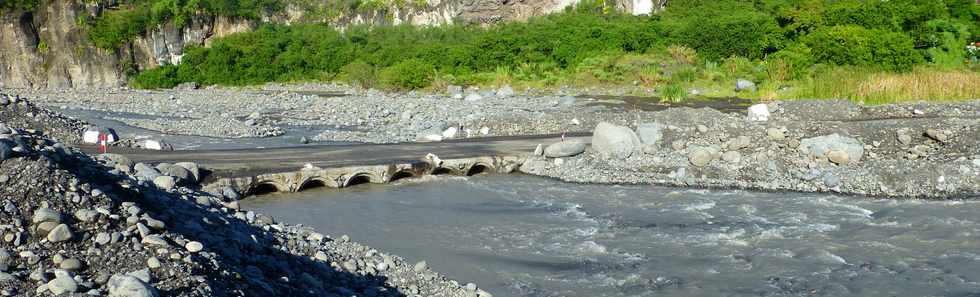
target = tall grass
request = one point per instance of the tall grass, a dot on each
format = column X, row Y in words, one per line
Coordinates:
column 921, row 84
column 879, row 87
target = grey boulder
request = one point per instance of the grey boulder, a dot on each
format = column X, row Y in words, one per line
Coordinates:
column 130, row 286
column 650, row 133
column 564, row 149
column 615, row 141
column 821, row 146
column 744, row 85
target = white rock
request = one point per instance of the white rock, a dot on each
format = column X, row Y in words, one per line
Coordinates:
column 759, row 113
column 484, row 130
column 449, row 133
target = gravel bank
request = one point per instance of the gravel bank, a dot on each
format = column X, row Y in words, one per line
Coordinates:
column 352, row 115
column 71, row 223
column 914, row 150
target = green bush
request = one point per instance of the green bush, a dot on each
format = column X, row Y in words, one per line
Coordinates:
column 408, row 74
column 359, row 73
column 797, row 59
column 114, row 28
column 856, row 45
column 720, row 29
column 8, row 5
column 944, row 40
column 164, row 77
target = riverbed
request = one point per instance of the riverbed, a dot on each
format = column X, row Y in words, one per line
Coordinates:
column 517, row 235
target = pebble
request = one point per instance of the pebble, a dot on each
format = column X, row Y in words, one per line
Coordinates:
column 153, row 263
column 62, row 283
column 71, row 264
column 421, row 266
column 194, row 246
column 839, row 157
column 60, row 233
column 700, row 157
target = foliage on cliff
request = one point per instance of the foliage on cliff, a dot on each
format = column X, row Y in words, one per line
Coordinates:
column 133, row 18
column 769, row 41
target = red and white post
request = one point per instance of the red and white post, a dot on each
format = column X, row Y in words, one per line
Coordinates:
column 103, row 146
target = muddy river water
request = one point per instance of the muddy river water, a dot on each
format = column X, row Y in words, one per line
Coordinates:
column 517, row 235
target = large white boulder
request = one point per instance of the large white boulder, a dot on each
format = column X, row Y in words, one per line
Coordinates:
column 759, row 113
column 615, row 141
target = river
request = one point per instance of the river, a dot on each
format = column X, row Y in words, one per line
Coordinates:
column 517, row 235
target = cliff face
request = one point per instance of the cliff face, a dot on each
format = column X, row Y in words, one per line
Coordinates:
column 47, row 48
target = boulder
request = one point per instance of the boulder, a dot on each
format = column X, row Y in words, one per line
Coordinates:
column 230, row 194
column 564, row 149
column 740, row 142
column 429, row 136
column 179, row 173
column 615, row 141
column 505, row 91
column 187, row 86
column 45, row 214
column 650, row 133
column 472, row 97
column 164, row 182
column 145, row 171
column 700, row 156
column 759, row 113
column 62, row 283
column 192, row 167
column 117, row 159
column 449, row 133
column 129, row 286
column 819, row 147
column 776, row 134
column 59, row 233
column 156, row 144
column 744, row 85
column 732, row 157
column 454, row 90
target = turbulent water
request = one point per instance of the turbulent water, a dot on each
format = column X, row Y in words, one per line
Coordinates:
column 518, row 235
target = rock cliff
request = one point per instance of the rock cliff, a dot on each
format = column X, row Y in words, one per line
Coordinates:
column 47, row 48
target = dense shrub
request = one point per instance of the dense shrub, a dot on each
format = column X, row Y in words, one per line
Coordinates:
column 7, row 5
column 855, row 45
column 115, row 28
column 408, row 74
column 719, row 29
column 162, row 77
column 359, row 73
column 797, row 59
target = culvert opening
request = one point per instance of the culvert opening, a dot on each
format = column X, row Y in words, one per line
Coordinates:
column 264, row 189
column 357, row 180
column 311, row 184
column 478, row 169
column 442, row 171
column 400, row 175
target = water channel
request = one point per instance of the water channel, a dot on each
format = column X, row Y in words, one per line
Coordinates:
column 517, row 235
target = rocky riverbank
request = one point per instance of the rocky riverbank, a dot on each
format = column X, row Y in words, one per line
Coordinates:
column 914, row 150
column 71, row 223
column 343, row 113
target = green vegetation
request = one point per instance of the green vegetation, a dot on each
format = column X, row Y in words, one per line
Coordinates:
column 9, row 5
column 115, row 27
column 790, row 48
